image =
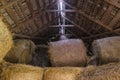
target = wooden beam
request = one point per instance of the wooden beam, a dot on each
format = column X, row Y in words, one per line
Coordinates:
column 60, row 34
column 72, row 33
column 109, row 32
column 51, row 4
column 114, row 3
column 67, row 10
column 76, row 15
column 48, row 24
column 61, row 25
column 77, row 25
column 25, row 37
column 94, row 20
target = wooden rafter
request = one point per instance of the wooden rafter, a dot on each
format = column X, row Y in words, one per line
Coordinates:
column 51, row 4
column 85, row 15
column 61, row 25
column 67, row 10
column 105, row 33
column 77, row 25
column 113, row 2
column 48, row 24
column 24, row 36
column 76, row 15
column 72, row 33
column 89, row 17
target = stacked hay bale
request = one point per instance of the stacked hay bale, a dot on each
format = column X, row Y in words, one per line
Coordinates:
column 9, row 71
column 20, row 72
column 21, row 52
column 5, row 39
column 107, row 50
column 105, row 72
column 63, row 73
column 70, row 52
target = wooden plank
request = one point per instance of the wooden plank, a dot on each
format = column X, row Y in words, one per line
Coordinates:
column 12, row 12
column 115, row 20
column 107, row 15
column 102, row 10
column 114, row 3
column 41, row 3
column 94, row 20
column 67, row 10
column 24, row 9
column 102, row 34
column 97, row 8
column 34, row 5
column 61, row 25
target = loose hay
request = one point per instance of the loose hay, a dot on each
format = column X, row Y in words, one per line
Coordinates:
column 105, row 72
column 5, row 39
column 20, row 72
column 63, row 73
column 70, row 52
column 21, row 52
column 107, row 49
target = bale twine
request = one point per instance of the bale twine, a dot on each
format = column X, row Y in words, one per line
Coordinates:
column 5, row 39
column 70, row 52
column 105, row 72
column 20, row 72
column 107, row 49
column 21, row 52
column 63, row 73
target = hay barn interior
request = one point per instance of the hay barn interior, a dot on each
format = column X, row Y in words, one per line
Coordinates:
column 59, row 39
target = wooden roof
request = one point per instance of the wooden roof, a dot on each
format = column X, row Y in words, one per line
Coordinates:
column 84, row 18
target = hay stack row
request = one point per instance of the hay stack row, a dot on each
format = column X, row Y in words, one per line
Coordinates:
column 106, row 72
column 72, row 52
column 10, row 71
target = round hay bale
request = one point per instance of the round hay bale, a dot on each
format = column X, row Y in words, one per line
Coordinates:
column 70, row 52
column 63, row 73
column 21, row 52
column 105, row 72
column 20, row 72
column 5, row 39
column 107, row 49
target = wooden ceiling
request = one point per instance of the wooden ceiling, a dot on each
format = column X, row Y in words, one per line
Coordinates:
column 84, row 18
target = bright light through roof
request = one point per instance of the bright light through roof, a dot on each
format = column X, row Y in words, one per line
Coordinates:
column 61, row 8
